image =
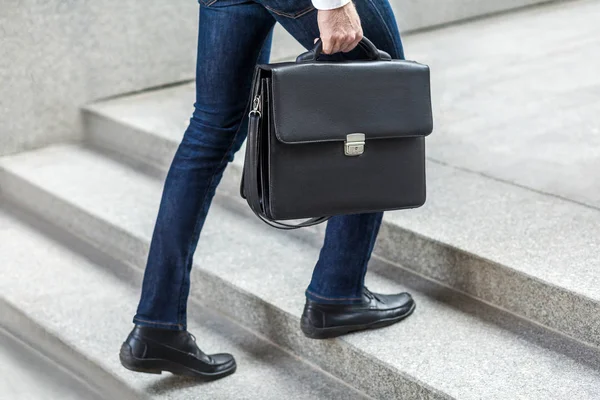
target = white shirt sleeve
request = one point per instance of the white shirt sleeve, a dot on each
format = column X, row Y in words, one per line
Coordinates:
column 329, row 4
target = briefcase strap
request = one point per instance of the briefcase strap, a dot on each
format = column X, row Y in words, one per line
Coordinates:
column 252, row 196
column 281, row 225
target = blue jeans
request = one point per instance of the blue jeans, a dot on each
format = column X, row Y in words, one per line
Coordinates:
column 235, row 35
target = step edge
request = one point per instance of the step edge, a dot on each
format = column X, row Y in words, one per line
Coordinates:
column 96, row 136
column 520, row 284
column 43, row 339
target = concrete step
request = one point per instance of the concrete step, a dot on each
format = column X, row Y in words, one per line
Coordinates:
column 527, row 252
column 61, row 296
column 26, row 374
column 453, row 347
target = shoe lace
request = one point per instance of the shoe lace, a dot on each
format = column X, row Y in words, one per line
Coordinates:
column 199, row 353
column 370, row 294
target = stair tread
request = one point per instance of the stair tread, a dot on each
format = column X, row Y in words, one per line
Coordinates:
column 91, row 309
column 27, row 375
column 448, row 344
column 501, row 109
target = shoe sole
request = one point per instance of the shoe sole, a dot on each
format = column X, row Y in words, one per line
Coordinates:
column 328, row 333
column 158, row 365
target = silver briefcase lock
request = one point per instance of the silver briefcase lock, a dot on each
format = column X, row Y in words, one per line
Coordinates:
column 354, row 144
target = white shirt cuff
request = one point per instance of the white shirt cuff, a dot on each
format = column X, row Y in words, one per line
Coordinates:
column 329, row 4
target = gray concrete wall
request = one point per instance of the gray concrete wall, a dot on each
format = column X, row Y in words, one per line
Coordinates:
column 56, row 55
column 420, row 14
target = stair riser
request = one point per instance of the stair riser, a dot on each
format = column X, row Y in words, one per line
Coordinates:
column 129, row 141
column 496, row 284
column 27, row 330
column 335, row 357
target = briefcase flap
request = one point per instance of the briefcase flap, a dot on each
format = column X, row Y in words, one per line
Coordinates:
column 321, row 101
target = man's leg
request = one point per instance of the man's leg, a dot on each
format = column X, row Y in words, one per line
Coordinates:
column 229, row 46
column 234, row 35
column 339, row 274
column 338, row 278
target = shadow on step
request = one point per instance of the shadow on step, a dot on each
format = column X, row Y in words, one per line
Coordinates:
column 172, row 383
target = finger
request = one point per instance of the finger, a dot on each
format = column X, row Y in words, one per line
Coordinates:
column 359, row 37
column 349, row 43
column 345, row 46
column 328, row 45
column 356, row 41
column 336, row 44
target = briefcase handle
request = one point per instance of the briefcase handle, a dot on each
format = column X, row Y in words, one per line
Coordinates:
column 368, row 47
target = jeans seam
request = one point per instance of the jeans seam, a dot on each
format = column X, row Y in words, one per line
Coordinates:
column 333, row 299
column 157, row 323
column 288, row 15
column 387, row 28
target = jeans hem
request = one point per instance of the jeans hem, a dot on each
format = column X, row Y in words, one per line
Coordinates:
column 160, row 325
column 330, row 299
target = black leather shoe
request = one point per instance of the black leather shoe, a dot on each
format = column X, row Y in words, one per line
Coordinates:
column 322, row 321
column 154, row 350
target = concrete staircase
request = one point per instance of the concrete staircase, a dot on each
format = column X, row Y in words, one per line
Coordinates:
column 503, row 266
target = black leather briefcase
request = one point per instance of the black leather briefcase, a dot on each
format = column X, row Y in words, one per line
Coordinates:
column 332, row 138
